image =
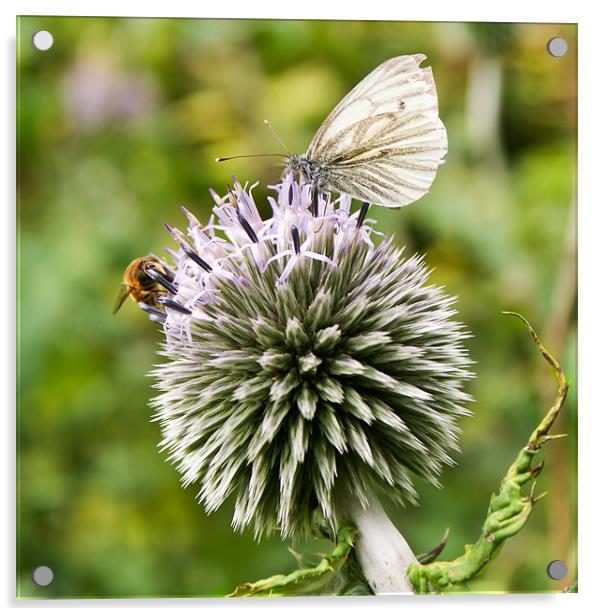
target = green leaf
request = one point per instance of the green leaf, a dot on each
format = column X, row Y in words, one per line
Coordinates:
column 309, row 581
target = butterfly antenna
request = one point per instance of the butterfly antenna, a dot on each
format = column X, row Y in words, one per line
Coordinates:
column 277, row 136
column 221, row 159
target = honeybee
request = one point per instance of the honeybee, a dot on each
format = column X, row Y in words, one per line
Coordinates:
column 145, row 279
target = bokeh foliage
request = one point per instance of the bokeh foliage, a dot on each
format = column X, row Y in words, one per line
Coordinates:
column 119, row 123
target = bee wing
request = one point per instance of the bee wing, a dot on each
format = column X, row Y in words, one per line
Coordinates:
column 384, row 139
column 124, row 291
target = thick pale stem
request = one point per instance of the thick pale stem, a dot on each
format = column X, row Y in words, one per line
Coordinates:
column 382, row 552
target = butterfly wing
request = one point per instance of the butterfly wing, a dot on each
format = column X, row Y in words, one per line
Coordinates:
column 384, row 141
column 395, row 163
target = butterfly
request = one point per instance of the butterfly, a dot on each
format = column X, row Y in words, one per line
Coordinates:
column 383, row 142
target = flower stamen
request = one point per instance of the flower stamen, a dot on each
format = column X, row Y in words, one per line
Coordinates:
column 152, row 310
column 244, row 223
column 198, row 260
column 362, row 216
column 156, row 276
column 315, row 202
column 296, row 240
column 170, row 303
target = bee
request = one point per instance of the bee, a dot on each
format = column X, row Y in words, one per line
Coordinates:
column 145, row 280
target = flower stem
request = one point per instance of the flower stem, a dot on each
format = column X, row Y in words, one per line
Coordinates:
column 381, row 550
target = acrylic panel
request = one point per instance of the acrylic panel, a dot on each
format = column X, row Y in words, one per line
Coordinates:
column 326, row 366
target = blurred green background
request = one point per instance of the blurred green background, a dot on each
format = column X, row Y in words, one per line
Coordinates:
column 119, row 123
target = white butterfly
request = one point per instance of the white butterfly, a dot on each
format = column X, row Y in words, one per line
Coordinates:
column 383, row 142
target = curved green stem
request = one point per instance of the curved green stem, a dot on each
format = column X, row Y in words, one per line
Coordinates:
column 508, row 509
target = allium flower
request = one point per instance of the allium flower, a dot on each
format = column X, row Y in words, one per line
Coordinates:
column 303, row 361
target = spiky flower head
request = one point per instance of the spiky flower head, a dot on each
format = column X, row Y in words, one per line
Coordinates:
column 303, row 361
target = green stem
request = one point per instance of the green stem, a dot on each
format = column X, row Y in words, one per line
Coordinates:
column 508, row 509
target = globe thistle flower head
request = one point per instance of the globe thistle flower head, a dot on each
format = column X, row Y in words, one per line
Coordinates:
column 303, row 361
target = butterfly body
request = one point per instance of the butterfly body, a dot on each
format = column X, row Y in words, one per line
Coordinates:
column 310, row 170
